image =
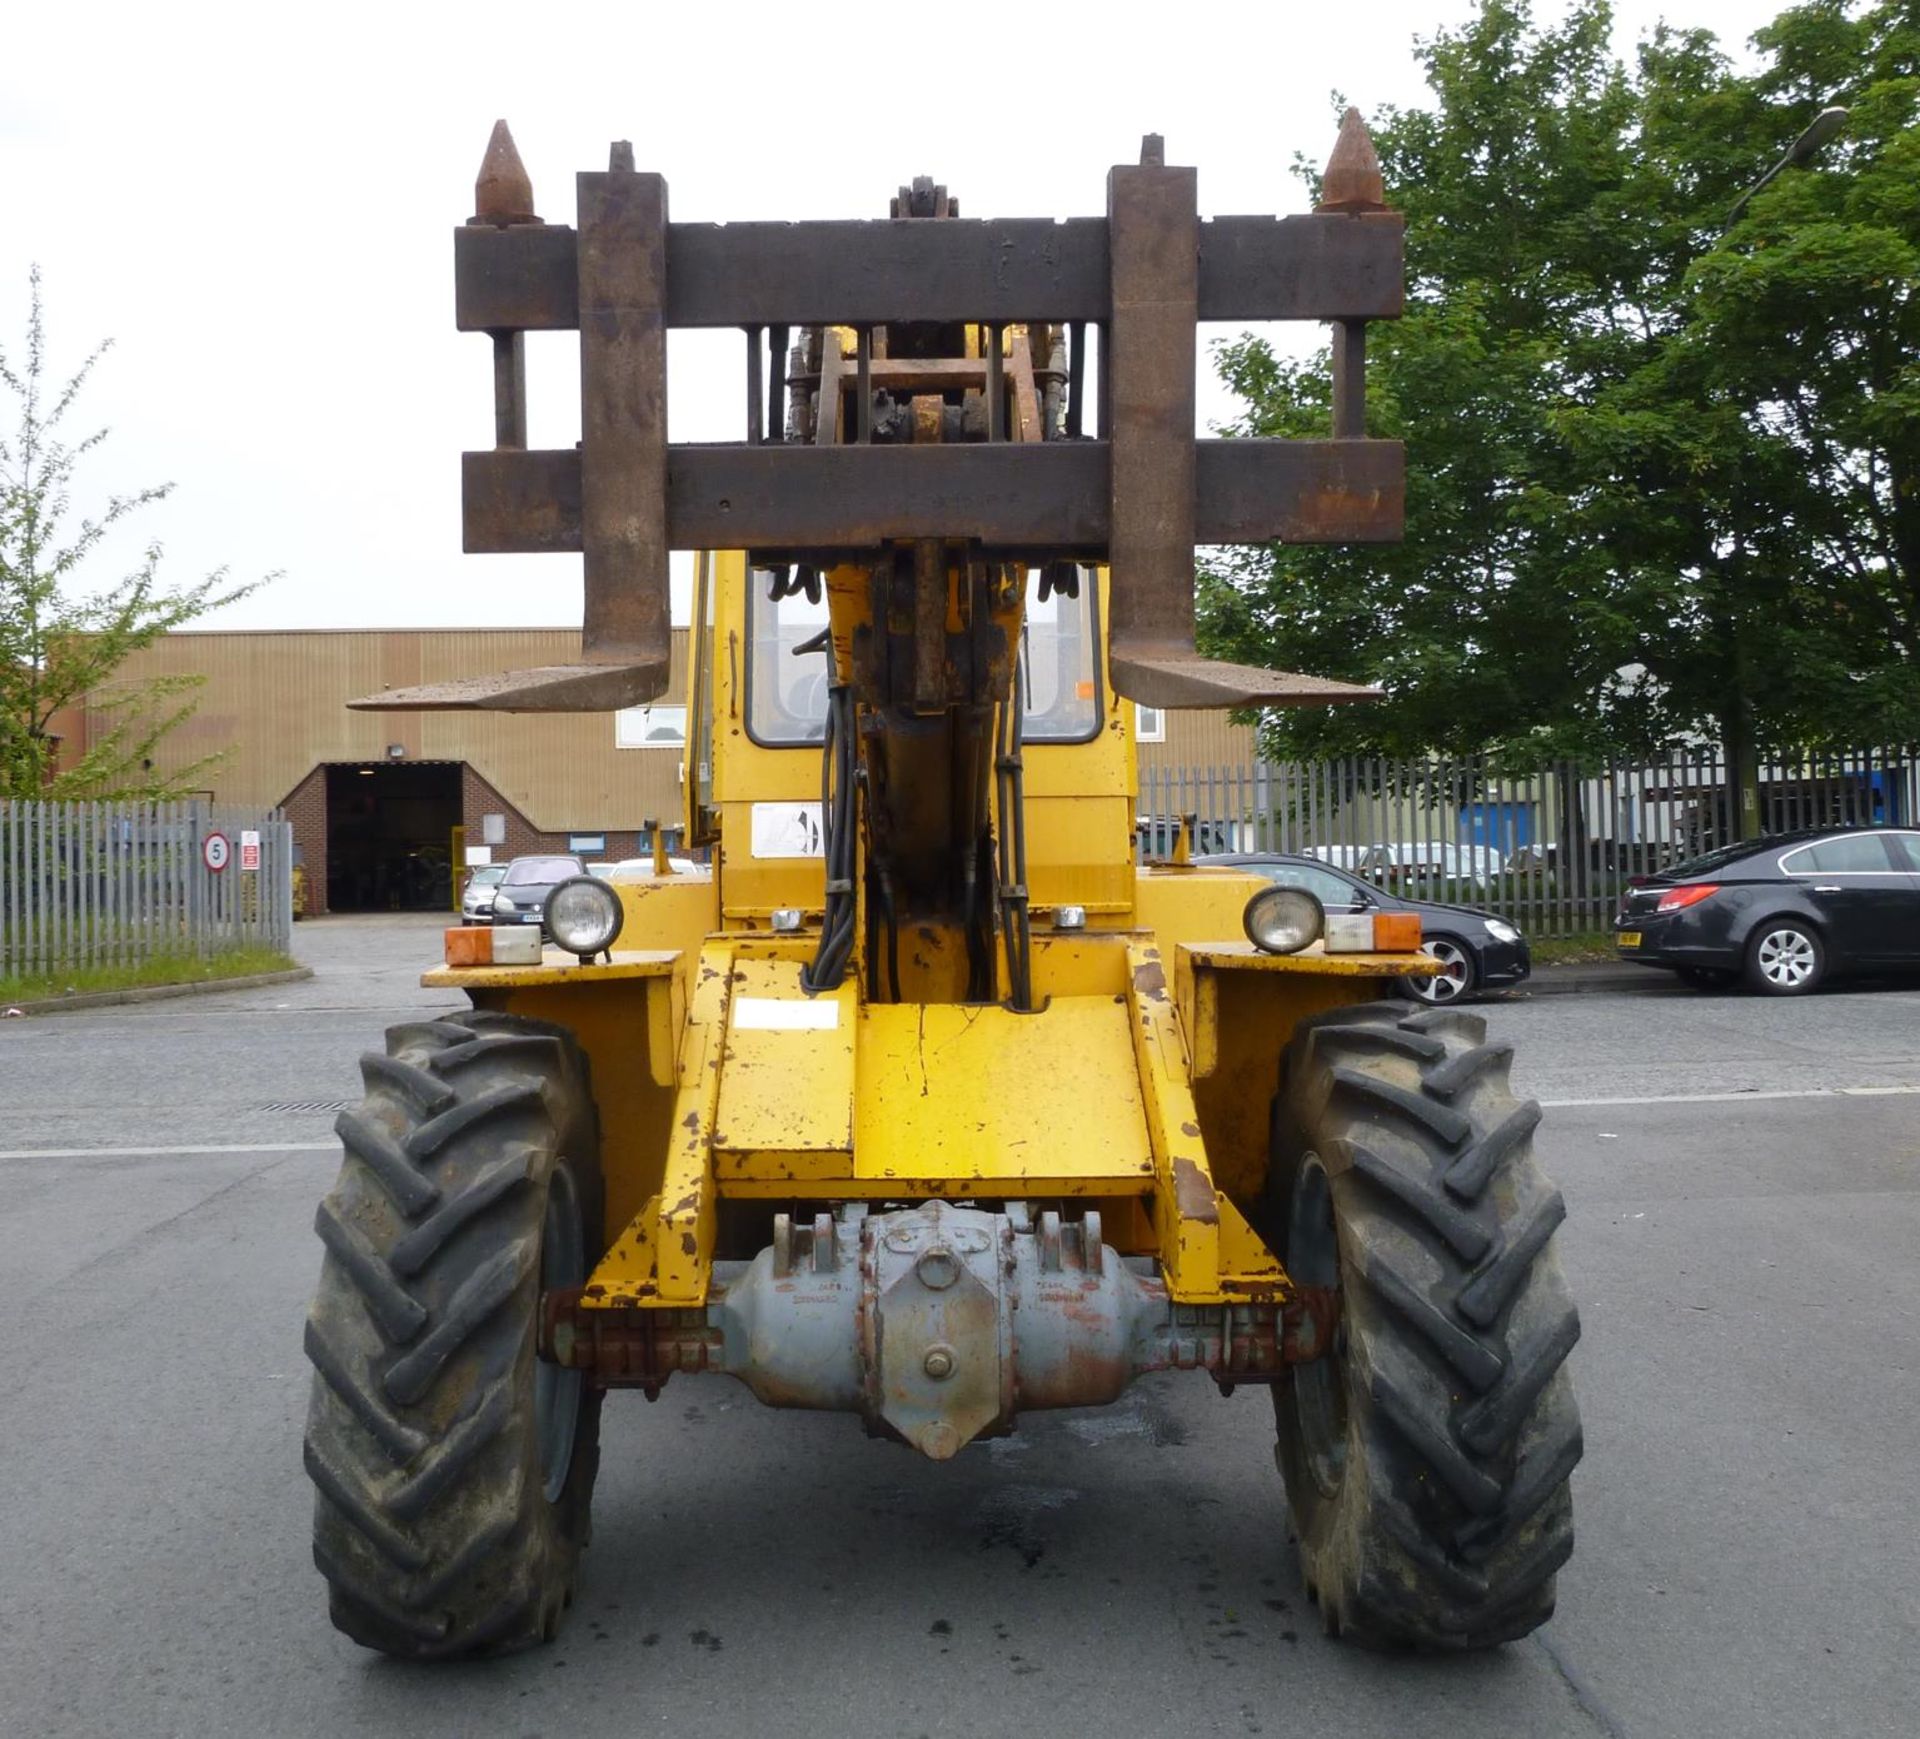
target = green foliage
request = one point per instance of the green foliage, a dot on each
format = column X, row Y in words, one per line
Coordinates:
column 1663, row 471
column 61, row 646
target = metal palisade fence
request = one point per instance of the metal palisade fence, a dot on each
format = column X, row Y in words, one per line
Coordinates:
column 1548, row 847
column 106, row 884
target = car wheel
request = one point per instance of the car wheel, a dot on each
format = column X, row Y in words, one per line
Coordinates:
column 1457, row 978
column 1785, row 958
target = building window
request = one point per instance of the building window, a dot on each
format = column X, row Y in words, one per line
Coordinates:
column 1149, row 724
column 650, row 727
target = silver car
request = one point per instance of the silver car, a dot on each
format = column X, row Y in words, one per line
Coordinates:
column 476, row 898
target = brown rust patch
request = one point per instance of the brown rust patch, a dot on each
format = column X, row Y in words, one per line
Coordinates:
column 689, row 1244
column 1190, row 1128
column 1149, row 979
column 1193, row 1195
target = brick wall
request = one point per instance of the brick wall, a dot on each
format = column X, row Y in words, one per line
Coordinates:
column 306, row 807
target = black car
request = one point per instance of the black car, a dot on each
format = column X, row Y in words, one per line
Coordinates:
column 1478, row 950
column 1782, row 913
column 521, row 897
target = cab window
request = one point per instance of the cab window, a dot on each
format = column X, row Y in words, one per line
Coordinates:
column 787, row 666
column 1058, row 665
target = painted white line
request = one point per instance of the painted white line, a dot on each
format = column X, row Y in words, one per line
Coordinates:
column 166, row 1152
column 1734, row 1098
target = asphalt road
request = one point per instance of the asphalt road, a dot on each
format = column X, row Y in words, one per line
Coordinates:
column 1744, row 1225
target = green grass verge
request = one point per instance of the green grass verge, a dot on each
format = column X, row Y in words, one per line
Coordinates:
column 163, row 969
column 1574, row 950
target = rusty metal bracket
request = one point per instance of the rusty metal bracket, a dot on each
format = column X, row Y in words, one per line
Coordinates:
column 625, row 1348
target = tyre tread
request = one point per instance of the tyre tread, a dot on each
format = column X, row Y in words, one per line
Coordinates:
column 1458, row 1331
column 398, row 1313
column 436, row 1538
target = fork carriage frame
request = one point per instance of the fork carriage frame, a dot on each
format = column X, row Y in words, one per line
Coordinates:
column 1137, row 495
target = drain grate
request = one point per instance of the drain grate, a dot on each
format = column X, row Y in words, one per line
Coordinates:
column 313, row 1105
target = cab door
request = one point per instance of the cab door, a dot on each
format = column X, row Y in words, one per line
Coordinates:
column 696, row 771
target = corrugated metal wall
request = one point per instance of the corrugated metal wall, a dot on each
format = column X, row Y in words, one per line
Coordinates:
column 1200, row 739
column 274, row 704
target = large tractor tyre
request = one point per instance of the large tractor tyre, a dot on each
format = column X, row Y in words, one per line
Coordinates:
column 1426, row 1457
column 454, row 1469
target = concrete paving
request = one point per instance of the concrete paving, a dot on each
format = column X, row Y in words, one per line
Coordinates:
column 1747, row 1559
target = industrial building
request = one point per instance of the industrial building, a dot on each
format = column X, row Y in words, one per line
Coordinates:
column 386, row 806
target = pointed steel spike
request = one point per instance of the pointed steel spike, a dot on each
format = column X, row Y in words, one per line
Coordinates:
column 1352, row 181
column 502, row 194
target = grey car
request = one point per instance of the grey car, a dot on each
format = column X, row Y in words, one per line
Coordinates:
column 521, row 897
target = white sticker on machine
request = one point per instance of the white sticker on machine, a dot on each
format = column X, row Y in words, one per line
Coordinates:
column 781, row 1014
column 787, row 830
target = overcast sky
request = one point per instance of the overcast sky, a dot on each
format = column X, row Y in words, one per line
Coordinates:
column 255, row 204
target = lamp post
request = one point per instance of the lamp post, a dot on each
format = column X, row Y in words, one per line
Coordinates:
column 1742, row 750
column 1816, row 133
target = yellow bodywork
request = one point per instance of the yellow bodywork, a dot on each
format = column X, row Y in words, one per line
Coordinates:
column 1140, row 1084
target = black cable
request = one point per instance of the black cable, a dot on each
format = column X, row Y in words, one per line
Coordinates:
column 839, row 827
column 1012, row 879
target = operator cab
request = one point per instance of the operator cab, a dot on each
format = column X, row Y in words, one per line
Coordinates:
column 787, row 665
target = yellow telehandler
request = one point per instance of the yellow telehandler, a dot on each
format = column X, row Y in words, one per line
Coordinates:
column 925, row 1098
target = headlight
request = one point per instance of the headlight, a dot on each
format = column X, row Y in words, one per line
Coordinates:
column 583, row 915
column 503, row 906
column 1501, row 931
column 1284, row 920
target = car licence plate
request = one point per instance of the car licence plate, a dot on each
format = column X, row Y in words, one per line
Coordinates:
column 1628, row 938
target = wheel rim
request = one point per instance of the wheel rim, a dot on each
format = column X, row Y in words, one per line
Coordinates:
column 1786, row 958
column 1320, row 1385
column 1450, row 982
column 556, row 1392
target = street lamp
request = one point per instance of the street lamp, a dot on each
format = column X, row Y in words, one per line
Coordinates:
column 1737, row 735
column 1818, row 131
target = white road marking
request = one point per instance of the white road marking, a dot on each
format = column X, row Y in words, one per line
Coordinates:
column 1875, row 1092
column 166, row 1152
column 1735, row 1098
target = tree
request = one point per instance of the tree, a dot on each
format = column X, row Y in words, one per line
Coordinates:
column 59, row 646
column 1658, row 470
